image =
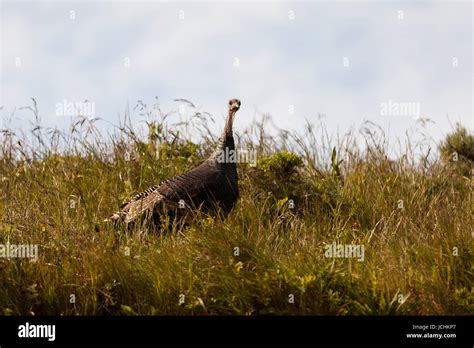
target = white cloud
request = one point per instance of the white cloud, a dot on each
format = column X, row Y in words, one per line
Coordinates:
column 282, row 62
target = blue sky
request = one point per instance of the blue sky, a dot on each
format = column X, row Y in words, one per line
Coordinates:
column 284, row 62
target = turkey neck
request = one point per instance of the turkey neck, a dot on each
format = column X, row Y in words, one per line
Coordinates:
column 225, row 155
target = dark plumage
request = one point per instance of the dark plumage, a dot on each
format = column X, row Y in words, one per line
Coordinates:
column 211, row 186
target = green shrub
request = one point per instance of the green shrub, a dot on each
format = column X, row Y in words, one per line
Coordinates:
column 418, row 255
column 460, row 142
column 281, row 165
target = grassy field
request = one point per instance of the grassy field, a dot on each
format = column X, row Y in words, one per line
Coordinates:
column 413, row 216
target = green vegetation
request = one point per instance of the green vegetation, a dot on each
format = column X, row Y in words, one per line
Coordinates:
column 460, row 142
column 413, row 217
column 458, row 150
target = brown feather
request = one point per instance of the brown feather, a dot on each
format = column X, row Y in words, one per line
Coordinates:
column 207, row 184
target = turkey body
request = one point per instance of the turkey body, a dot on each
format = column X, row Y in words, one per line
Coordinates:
column 210, row 187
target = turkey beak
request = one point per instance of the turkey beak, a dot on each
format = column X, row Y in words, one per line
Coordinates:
column 235, row 106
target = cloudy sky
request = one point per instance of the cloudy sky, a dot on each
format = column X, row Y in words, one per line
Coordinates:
column 293, row 60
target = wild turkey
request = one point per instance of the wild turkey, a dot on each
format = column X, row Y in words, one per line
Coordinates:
column 211, row 186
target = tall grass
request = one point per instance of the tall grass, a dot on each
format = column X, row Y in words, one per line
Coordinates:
column 414, row 217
